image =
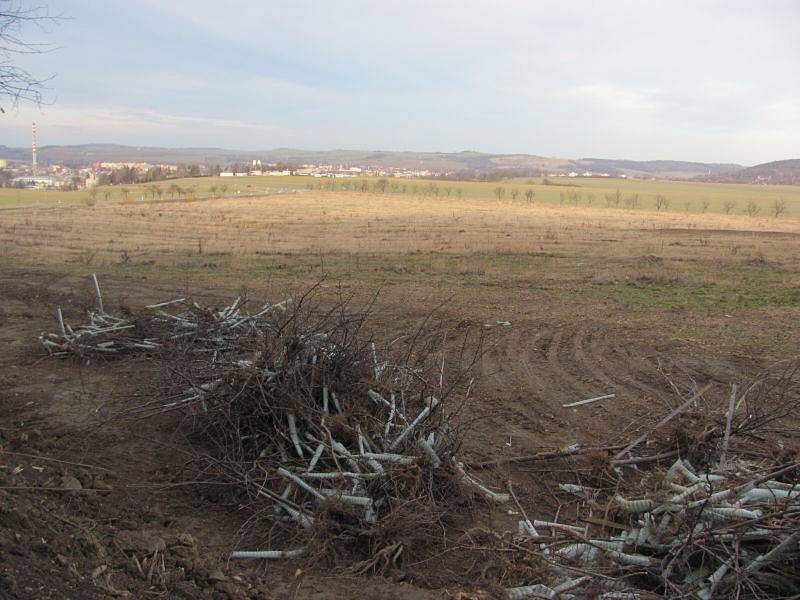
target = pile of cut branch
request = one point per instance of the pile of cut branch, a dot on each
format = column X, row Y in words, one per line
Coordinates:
column 720, row 521
column 722, row 533
column 344, row 451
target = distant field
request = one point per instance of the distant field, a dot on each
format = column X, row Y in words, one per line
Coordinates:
column 200, row 187
column 676, row 196
column 17, row 197
column 671, row 273
column 576, row 302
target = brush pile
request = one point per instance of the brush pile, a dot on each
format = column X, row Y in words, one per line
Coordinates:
column 720, row 521
column 345, row 453
column 341, row 451
column 703, row 534
column 188, row 324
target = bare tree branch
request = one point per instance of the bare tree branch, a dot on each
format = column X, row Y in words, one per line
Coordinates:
column 16, row 82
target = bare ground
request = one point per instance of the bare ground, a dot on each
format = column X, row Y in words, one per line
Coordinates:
column 642, row 305
column 91, row 505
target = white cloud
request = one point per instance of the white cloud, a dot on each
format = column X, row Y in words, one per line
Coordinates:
column 614, row 98
column 782, row 114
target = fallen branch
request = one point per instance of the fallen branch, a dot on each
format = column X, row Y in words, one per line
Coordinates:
column 588, row 401
column 662, row 422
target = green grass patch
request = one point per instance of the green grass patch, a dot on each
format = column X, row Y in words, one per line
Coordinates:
column 709, row 295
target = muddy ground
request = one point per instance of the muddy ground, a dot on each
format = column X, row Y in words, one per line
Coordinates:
column 94, row 506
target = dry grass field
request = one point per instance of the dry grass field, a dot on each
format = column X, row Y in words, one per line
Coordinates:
column 632, row 302
column 677, row 197
column 505, row 254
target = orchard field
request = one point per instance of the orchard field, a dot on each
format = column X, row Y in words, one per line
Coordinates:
column 589, row 192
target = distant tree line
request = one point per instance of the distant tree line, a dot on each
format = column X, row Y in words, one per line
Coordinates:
column 488, row 175
column 240, row 167
column 413, row 187
column 129, row 175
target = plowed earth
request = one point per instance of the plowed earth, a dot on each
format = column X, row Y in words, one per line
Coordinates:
column 96, row 506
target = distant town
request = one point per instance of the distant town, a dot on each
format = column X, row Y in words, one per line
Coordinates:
column 71, row 168
column 20, row 174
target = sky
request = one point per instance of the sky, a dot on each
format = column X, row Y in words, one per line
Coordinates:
column 701, row 80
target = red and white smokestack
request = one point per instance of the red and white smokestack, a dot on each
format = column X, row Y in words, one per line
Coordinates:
column 33, row 145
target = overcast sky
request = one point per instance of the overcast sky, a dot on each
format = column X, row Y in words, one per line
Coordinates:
column 705, row 80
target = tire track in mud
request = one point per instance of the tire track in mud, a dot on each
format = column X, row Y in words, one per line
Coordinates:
column 537, row 369
column 605, row 382
column 518, row 389
column 629, row 372
column 689, row 370
column 571, row 385
column 547, row 364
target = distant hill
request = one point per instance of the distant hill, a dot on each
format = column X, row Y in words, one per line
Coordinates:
column 437, row 162
column 657, row 168
column 779, row 172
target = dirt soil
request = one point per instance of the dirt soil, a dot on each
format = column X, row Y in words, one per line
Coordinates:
column 93, row 506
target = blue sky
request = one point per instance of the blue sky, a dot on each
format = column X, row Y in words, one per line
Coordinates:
column 693, row 80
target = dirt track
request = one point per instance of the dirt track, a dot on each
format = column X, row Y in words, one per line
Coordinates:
column 84, row 538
